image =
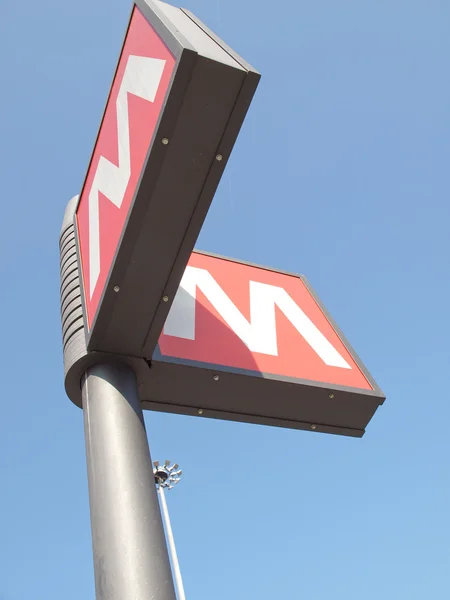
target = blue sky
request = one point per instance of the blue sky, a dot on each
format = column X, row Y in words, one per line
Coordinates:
column 340, row 173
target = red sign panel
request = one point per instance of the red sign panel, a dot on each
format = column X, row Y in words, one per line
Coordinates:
column 134, row 105
column 245, row 317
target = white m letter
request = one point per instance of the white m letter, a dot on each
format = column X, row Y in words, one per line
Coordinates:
column 141, row 78
column 260, row 333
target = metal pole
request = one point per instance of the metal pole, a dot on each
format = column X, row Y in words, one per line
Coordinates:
column 131, row 561
column 171, row 540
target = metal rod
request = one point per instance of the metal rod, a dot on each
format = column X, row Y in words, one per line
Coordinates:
column 131, row 560
column 172, row 548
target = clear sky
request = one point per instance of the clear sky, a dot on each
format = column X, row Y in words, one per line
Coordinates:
column 341, row 173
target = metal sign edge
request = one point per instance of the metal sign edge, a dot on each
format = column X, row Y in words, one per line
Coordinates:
column 250, row 419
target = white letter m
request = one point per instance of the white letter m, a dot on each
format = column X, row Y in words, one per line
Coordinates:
column 260, row 333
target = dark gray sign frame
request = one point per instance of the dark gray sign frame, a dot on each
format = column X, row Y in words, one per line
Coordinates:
column 221, row 392
column 205, row 107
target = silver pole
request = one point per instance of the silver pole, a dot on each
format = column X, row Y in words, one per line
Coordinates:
column 171, row 540
column 130, row 552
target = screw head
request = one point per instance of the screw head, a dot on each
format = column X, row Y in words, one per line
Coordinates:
column 216, row 378
column 116, row 288
column 219, row 157
column 331, row 396
column 165, row 298
column 313, row 427
column 200, row 411
column 165, row 141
